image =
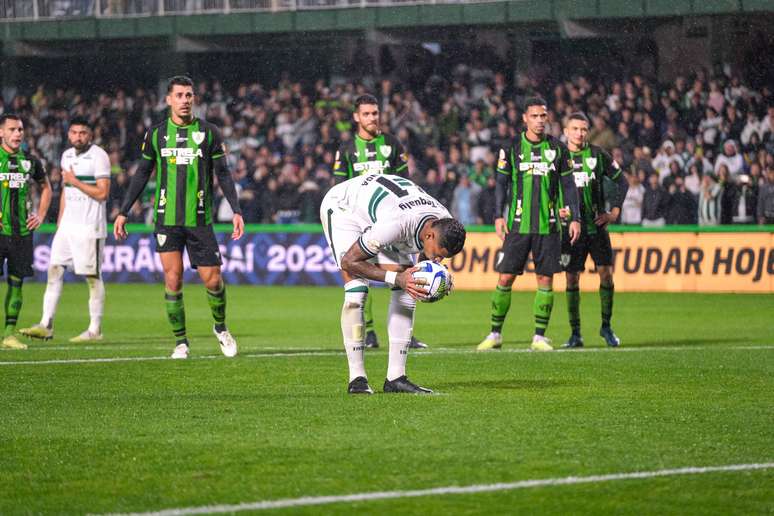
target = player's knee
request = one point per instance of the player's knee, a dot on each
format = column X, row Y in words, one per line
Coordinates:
column 355, row 294
column 403, row 300
column 573, row 280
column 506, row 280
column 55, row 273
column 606, row 276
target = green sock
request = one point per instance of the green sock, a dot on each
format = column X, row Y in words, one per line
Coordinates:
column 369, row 313
column 13, row 304
column 544, row 303
column 501, row 303
column 573, row 309
column 606, row 297
column 217, row 302
column 176, row 314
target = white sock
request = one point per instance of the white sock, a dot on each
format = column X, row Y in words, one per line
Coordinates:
column 400, row 326
column 96, row 304
column 51, row 297
column 353, row 324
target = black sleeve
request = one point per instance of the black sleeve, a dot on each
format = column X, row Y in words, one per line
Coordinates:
column 217, row 147
column 564, row 167
column 341, row 165
column 137, row 185
column 227, row 183
column 399, row 158
column 615, row 173
column 38, row 171
column 503, row 182
column 147, row 150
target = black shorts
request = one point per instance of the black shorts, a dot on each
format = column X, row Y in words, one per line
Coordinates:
column 199, row 241
column 17, row 250
column 597, row 245
column 516, row 248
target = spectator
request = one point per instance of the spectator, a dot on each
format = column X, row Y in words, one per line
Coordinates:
column 631, row 211
column 731, row 159
column 683, row 208
column 486, row 202
column 464, row 205
column 765, row 205
column 654, row 203
column 709, row 202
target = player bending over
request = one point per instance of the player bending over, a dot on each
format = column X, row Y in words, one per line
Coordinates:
column 373, row 224
column 82, row 228
column 186, row 152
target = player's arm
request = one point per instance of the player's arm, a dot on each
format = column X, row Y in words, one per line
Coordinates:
column 355, row 263
column 569, row 191
column 399, row 159
column 342, row 168
column 226, row 182
column 61, row 207
column 614, row 172
column 100, row 190
column 34, row 220
column 136, row 185
column 503, row 183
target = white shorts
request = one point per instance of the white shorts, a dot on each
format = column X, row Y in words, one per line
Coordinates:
column 81, row 254
column 342, row 229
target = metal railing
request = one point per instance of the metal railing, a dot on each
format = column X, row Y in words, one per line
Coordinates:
column 25, row 10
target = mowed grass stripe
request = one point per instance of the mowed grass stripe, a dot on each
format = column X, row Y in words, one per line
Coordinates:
column 449, row 490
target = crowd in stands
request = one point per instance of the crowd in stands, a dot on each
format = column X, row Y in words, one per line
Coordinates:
column 699, row 150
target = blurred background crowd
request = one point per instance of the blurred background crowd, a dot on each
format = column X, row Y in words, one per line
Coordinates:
column 697, row 151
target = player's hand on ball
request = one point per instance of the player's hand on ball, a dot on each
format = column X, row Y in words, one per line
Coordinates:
column 33, row 221
column 412, row 286
column 239, row 227
column 119, row 228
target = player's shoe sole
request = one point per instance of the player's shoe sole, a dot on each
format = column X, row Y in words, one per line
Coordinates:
column 359, row 386
column 37, row 332
column 11, row 342
column 403, row 385
column 86, row 336
column 490, row 342
column 610, row 338
column 227, row 343
column 180, row 352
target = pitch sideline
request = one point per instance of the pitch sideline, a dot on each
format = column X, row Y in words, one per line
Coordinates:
column 307, row 501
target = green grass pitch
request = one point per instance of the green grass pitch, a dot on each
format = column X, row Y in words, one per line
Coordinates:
column 693, row 385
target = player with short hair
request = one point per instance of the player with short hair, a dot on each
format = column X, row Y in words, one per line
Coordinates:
column 82, row 229
column 186, row 152
column 534, row 169
column 17, row 220
column 591, row 165
column 371, row 151
column 373, row 224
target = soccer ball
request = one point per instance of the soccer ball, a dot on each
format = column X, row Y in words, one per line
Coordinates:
column 437, row 280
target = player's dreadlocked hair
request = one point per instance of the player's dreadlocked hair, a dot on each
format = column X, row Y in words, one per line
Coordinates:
column 366, row 99
column 179, row 80
column 579, row 115
column 534, row 101
column 452, row 235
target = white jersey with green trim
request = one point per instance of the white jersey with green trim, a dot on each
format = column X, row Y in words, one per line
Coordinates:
column 390, row 209
column 82, row 213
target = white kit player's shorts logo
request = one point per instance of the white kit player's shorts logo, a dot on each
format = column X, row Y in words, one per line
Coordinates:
column 198, row 137
column 161, row 239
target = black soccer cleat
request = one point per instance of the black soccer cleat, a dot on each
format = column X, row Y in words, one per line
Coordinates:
column 575, row 341
column 606, row 332
column 416, row 344
column 359, row 386
column 402, row 384
column 371, row 340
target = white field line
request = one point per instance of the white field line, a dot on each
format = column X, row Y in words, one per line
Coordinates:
column 307, row 501
column 439, row 351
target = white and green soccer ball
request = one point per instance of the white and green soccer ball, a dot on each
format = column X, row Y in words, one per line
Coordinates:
column 436, row 279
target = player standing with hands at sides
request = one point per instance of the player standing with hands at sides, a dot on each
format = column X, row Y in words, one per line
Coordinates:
column 81, row 232
column 536, row 170
column 17, row 220
column 371, row 151
column 373, row 224
column 590, row 165
column 186, row 152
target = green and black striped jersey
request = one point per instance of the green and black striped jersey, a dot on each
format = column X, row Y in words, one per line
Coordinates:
column 383, row 155
column 17, row 171
column 590, row 166
column 183, row 158
column 534, row 173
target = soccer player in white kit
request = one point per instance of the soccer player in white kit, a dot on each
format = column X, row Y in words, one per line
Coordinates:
column 373, row 224
column 82, row 228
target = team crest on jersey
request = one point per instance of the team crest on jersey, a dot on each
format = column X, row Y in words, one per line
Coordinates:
column 198, row 137
column 550, row 154
column 161, row 239
column 26, row 165
column 591, row 163
column 385, row 150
